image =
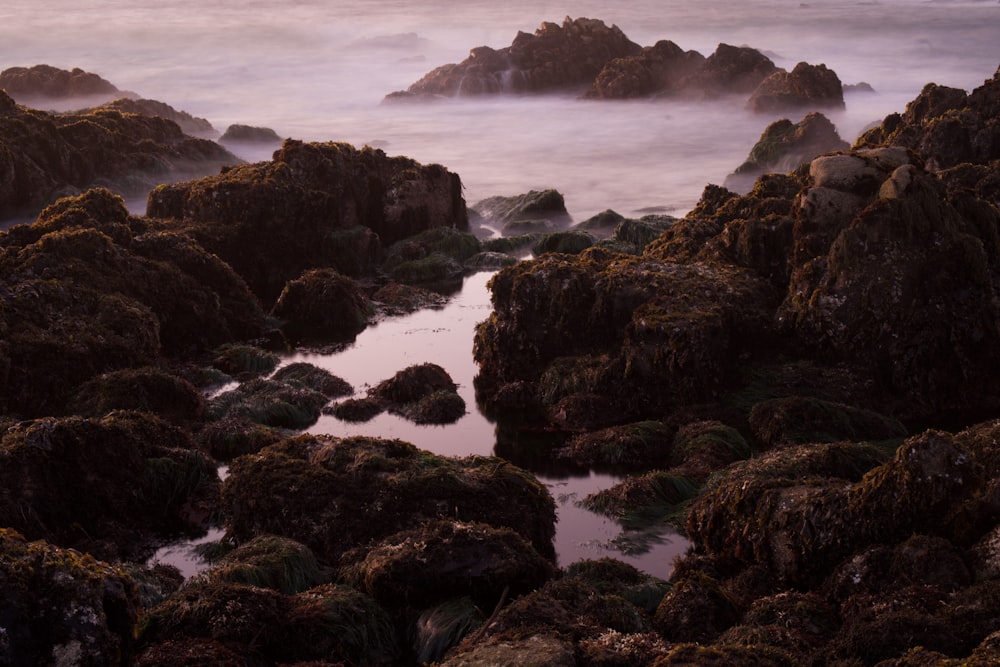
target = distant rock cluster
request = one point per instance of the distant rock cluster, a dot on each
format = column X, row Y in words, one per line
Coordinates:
column 585, row 56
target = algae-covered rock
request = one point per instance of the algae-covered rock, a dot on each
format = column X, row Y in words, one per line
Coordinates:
column 312, row 377
column 350, row 491
column 320, row 190
column 237, row 133
column 60, row 606
column 272, row 562
column 648, row 499
column 105, row 484
column 422, row 393
column 444, row 559
column 534, row 205
column 147, row 389
column 322, row 305
column 571, row 242
column 45, row 82
column 783, row 146
column 196, row 127
column 270, row 403
column 229, row 437
column 244, row 361
column 639, row 445
column 660, row 69
column 795, row 420
column 398, row 299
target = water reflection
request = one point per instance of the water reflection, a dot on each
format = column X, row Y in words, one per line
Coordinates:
column 444, row 337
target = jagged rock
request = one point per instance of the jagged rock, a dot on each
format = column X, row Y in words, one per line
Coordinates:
column 196, row 127
column 354, row 490
column 783, row 146
column 946, row 125
column 63, row 607
column 322, row 305
column 554, row 58
column 730, row 70
column 806, row 86
column 342, row 203
column 44, row 82
column 886, row 267
column 102, row 485
column 660, row 69
column 249, row 134
column 44, row 156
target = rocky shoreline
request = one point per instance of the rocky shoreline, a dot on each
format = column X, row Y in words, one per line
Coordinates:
column 801, row 375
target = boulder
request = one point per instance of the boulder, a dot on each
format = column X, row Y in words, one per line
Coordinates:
column 792, row 420
column 322, row 305
column 534, row 205
column 348, row 492
column 148, row 389
column 553, row 59
column 326, row 193
column 805, row 87
column 785, row 145
column 103, row 485
column 729, row 70
column 237, row 133
column 422, row 393
column 192, row 125
column 60, row 606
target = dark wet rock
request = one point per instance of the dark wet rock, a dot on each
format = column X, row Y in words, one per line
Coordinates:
column 306, row 375
column 340, row 201
column 190, row 652
column 435, row 255
column 269, row 403
column 228, row 438
column 60, row 606
column 536, row 228
column 46, row 156
column 536, row 651
column 490, row 261
column 102, row 485
column 696, row 609
column 444, row 559
column 571, row 242
column 805, row 87
column 946, row 125
column 795, row 420
column 322, row 305
column 357, row 409
column 196, row 127
column 640, row 445
column 916, row 304
column 796, row 623
column 657, row 332
column 601, row 225
column 397, row 299
column 730, row 69
column 660, row 69
column 269, row 561
column 518, row 244
column 531, row 206
column 439, row 407
column 859, row 87
column 249, row 134
column 354, row 490
column 783, row 146
column 42, row 83
column 91, row 289
column 682, row 655
column 593, row 599
column 440, row 627
column 635, row 235
column 413, row 383
column 553, row 59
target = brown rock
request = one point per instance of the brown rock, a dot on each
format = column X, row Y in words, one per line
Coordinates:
column 806, row 86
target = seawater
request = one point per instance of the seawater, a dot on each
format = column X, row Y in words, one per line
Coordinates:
column 318, row 70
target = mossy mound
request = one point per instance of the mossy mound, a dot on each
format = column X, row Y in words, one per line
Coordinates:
column 703, row 447
column 146, row 389
column 490, row 261
column 103, row 483
column 445, row 559
column 244, row 361
column 272, row 562
column 641, row 445
column 306, row 375
column 571, row 242
column 413, row 383
column 443, row 241
column 434, row 269
column 511, row 245
column 354, row 490
column 643, row 500
column 795, row 420
column 356, row 409
column 397, row 299
column 228, row 438
column 322, row 305
column 439, row 407
column 269, row 403
column 63, row 607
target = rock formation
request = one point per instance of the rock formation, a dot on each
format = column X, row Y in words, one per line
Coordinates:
column 44, row 83
column 806, row 86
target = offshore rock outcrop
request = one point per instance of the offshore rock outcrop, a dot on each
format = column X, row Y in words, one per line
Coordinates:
column 192, row 125
column 44, row 156
column 343, row 204
column 44, row 83
column 555, row 58
column 812, row 86
column 785, row 145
